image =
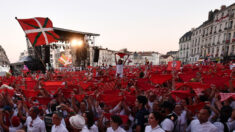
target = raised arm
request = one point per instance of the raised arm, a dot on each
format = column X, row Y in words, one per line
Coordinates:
column 115, row 58
column 126, row 60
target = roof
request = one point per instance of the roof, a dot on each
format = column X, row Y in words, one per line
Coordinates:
column 186, row 35
column 165, row 56
column 76, row 32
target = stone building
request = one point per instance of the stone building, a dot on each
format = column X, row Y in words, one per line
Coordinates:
column 4, row 61
column 214, row 39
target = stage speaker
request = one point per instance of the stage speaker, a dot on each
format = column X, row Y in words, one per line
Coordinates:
column 39, row 51
column 96, row 54
column 47, row 54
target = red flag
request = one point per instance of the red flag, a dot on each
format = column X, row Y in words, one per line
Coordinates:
column 182, row 93
column 121, row 55
column 80, row 97
column 39, row 30
column 196, row 107
column 225, row 96
column 174, row 65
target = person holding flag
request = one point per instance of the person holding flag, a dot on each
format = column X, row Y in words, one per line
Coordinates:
column 120, row 64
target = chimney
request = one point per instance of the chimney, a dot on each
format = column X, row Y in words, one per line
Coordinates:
column 222, row 7
column 210, row 15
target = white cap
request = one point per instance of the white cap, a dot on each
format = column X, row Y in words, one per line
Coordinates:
column 77, row 122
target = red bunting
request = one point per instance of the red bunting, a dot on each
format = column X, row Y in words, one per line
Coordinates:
column 160, row 79
column 182, row 94
column 30, row 93
column 80, row 97
column 197, row 107
column 225, row 96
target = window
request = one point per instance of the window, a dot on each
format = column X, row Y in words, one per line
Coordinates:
column 231, row 24
column 224, row 36
column 229, row 36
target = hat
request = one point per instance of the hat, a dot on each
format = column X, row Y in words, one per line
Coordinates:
column 77, row 122
column 15, row 121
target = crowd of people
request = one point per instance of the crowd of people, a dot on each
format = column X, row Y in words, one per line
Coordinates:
column 192, row 98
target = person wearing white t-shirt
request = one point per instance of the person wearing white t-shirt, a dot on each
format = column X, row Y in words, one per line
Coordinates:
column 119, row 66
column 33, row 122
column 153, row 120
column 202, row 124
column 90, row 122
column 57, row 123
column 15, row 121
column 115, row 123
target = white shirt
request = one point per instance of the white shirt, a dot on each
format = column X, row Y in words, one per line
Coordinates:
column 119, row 129
column 167, row 125
column 37, row 125
column 156, row 129
column 181, row 122
column 93, row 128
column 59, row 128
column 14, row 129
column 119, row 70
column 196, row 126
column 220, row 126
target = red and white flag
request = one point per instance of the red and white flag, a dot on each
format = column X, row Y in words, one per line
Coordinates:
column 225, row 96
column 174, row 65
column 39, row 30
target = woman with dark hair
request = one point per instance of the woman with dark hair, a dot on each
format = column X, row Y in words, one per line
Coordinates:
column 154, row 120
column 115, row 123
column 90, row 122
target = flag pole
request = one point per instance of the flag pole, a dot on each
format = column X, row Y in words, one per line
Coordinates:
column 34, row 49
column 37, row 54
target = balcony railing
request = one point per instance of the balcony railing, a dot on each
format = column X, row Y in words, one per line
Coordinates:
column 233, row 40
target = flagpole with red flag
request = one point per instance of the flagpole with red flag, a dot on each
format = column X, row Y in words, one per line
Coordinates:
column 39, row 31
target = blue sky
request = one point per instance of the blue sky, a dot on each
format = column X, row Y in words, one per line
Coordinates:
column 139, row 25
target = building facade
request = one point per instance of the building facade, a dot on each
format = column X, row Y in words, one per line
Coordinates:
column 214, row 39
column 164, row 59
column 4, row 61
column 184, row 45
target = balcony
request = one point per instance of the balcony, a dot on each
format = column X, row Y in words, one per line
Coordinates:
column 233, row 40
column 231, row 15
column 227, row 41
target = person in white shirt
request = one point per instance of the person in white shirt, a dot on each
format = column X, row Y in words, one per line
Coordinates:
column 57, row 124
column 168, row 123
column 33, row 122
column 153, row 120
column 181, row 122
column 202, row 124
column 15, row 121
column 90, row 122
column 115, row 122
column 119, row 66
